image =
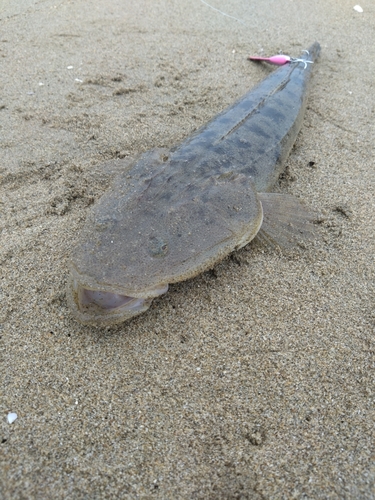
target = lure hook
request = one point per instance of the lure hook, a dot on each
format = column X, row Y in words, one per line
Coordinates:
column 296, row 60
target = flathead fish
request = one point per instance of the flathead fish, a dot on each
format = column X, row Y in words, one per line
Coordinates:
column 175, row 214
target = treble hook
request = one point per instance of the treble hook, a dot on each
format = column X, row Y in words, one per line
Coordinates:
column 295, row 60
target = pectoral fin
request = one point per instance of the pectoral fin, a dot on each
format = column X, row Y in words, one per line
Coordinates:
column 286, row 222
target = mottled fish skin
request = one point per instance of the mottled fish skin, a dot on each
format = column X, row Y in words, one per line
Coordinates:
column 255, row 135
column 175, row 214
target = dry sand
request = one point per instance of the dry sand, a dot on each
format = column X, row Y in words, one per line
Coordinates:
column 253, row 381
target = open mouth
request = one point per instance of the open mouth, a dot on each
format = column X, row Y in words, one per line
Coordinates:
column 101, row 302
column 100, row 307
column 107, row 300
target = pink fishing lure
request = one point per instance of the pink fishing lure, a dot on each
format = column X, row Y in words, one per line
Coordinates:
column 279, row 60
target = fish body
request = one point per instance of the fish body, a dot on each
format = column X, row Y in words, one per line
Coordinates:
column 175, row 214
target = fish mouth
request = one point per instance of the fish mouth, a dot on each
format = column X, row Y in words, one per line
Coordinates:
column 95, row 306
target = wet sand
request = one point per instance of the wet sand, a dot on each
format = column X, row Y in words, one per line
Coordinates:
column 251, row 381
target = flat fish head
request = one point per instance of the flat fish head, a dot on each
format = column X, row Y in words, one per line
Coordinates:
column 137, row 240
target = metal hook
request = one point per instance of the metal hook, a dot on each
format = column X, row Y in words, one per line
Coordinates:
column 295, row 60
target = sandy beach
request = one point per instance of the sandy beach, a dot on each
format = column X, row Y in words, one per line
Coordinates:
column 252, row 381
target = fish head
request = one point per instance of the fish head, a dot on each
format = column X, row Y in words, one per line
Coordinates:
column 137, row 242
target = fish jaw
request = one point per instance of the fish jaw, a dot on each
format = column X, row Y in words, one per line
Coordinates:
column 93, row 305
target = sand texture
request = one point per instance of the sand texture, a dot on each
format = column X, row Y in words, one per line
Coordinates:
column 252, row 381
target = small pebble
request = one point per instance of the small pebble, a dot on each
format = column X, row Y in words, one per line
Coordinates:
column 358, row 8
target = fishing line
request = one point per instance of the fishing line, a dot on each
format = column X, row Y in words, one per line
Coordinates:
column 231, row 17
column 223, row 13
column 279, row 59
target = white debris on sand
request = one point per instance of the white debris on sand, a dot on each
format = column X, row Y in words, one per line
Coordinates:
column 11, row 417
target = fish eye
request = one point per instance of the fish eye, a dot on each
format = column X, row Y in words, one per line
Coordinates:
column 157, row 247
